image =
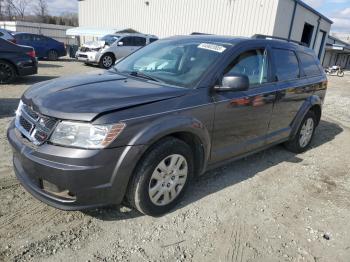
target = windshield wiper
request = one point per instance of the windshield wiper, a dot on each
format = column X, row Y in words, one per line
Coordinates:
column 143, row 75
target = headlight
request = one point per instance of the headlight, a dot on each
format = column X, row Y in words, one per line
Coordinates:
column 85, row 135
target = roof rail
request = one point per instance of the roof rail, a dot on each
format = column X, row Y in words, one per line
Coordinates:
column 270, row 37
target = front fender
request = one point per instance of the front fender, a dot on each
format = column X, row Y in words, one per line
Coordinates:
column 310, row 102
column 173, row 124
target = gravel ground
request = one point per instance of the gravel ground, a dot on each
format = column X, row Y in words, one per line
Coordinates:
column 272, row 206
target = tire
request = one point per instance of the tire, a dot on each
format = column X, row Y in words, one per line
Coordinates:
column 7, row 73
column 107, row 61
column 52, row 55
column 150, row 189
column 303, row 138
column 340, row 73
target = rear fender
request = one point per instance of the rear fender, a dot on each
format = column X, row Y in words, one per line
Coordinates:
column 307, row 105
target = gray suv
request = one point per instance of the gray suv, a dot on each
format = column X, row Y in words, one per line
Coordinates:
column 141, row 131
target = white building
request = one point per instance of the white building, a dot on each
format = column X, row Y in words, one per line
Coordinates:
column 291, row 19
column 57, row 32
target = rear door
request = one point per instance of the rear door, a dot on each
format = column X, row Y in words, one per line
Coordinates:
column 242, row 117
column 292, row 89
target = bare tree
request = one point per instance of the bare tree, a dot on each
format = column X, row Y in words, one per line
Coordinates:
column 18, row 7
column 41, row 9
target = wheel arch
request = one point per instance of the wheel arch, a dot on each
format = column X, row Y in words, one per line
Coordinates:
column 313, row 103
column 185, row 128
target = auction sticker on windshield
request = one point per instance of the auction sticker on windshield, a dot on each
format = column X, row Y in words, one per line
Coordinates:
column 212, row 47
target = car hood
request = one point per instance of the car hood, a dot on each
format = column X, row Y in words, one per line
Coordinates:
column 94, row 44
column 85, row 97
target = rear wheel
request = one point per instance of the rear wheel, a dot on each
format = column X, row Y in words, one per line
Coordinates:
column 52, row 55
column 303, row 138
column 7, row 73
column 107, row 61
column 161, row 177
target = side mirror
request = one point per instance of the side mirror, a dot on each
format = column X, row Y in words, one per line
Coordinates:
column 233, row 82
column 120, row 44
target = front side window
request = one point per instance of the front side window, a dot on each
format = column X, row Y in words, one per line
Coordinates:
column 127, row 41
column 308, row 64
column 287, row 66
column 173, row 62
column 253, row 64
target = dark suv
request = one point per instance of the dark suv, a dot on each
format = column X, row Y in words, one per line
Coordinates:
column 163, row 115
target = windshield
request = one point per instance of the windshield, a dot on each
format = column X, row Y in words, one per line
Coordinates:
column 172, row 62
column 110, row 39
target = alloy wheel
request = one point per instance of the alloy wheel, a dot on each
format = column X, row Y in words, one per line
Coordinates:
column 107, row 61
column 306, row 132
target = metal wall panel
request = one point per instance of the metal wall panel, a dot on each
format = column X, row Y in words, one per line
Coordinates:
column 174, row 17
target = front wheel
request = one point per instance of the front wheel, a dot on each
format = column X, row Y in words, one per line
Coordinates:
column 7, row 73
column 302, row 140
column 161, row 178
column 107, row 61
column 340, row 73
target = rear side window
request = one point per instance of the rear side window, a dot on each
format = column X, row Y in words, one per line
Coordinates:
column 151, row 40
column 139, row 41
column 287, row 66
column 308, row 64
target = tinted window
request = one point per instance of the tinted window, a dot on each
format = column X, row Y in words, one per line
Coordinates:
column 253, row 64
column 39, row 38
column 286, row 62
column 1, row 34
column 127, row 41
column 308, row 64
column 151, row 40
column 139, row 41
column 24, row 37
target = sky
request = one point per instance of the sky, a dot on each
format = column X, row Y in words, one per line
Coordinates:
column 56, row 7
column 337, row 10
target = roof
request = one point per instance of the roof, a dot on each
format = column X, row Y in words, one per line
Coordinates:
column 98, row 31
column 230, row 40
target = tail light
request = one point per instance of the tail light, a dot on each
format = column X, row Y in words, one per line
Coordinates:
column 31, row 53
column 13, row 41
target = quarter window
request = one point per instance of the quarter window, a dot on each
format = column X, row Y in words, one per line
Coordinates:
column 308, row 64
column 253, row 64
column 287, row 66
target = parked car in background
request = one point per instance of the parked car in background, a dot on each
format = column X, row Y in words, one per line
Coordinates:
column 110, row 48
column 7, row 35
column 16, row 60
column 45, row 47
column 141, row 131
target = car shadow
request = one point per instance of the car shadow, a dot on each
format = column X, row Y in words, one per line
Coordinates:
column 47, row 65
column 8, row 107
column 232, row 173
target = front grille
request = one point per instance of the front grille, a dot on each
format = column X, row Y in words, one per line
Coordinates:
column 34, row 126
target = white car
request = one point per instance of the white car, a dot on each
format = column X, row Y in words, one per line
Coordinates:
column 111, row 48
column 4, row 34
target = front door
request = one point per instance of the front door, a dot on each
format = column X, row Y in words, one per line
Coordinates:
column 242, row 117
